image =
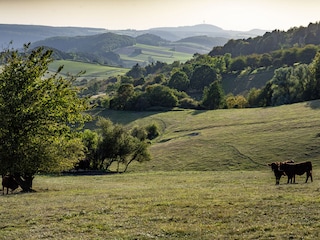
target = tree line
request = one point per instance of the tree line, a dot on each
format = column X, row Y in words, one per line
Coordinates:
column 198, row 83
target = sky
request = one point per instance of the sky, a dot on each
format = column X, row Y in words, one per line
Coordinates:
column 242, row 15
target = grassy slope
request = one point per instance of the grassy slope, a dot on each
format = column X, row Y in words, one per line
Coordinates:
column 242, row 83
column 92, row 70
column 163, row 54
column 235, row 139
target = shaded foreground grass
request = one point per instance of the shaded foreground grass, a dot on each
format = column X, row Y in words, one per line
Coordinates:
column 164, row 205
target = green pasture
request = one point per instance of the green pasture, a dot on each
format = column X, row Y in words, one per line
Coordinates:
column 92, row 71
column 228, row 139
column 164, row 205
column 156, row 53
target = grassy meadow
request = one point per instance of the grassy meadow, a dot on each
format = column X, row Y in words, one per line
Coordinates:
column 208, row 179
column 155, row 53
column 92, row 71
column 230, row 139
column 163, row 205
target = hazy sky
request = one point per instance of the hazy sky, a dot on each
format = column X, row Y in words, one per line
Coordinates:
column 143, row 14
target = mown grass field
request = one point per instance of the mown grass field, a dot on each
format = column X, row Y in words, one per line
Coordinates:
column 163, row 205
column 208, row 179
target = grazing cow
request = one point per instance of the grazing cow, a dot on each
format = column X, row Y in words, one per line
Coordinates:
column 291, row 169
column 275, row 167
column 8, row 181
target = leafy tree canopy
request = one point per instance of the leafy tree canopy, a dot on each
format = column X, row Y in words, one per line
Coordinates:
column 38, row 113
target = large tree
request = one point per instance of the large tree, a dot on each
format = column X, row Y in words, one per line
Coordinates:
column 179, row 80
column 39, row 112
column 203, row 76
column 213, row 96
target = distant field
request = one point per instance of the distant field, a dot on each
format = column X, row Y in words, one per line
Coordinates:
column 231, row 139
column 153, row 53
column 92, row 70
column 163, row 205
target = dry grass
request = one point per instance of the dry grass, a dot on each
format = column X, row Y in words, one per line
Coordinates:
column 163, row 205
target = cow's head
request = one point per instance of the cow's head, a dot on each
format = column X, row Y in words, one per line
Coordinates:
column 275, row 167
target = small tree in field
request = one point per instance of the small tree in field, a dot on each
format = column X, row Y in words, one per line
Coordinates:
column 118, row 146
column 38, row 112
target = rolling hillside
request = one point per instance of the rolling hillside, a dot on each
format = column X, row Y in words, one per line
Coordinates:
column 235, row 139
column 99, row 45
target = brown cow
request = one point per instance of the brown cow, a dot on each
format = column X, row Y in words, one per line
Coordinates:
column 291, row 169
column 275, row 167
column 8, row 181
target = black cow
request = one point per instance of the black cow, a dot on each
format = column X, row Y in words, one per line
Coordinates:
column 9, row 182
column 291, row 169
column 275, row 167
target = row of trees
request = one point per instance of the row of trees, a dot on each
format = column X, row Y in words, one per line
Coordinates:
column 198, row 83
column 41, row 116
column 279, row 58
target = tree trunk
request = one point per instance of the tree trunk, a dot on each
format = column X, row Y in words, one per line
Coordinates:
column 127, row 165
column 24, row 182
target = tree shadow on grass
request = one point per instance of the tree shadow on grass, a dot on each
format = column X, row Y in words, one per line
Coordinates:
column 313, row 104
column 119, row 117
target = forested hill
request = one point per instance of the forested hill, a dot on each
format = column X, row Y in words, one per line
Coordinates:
column 95, row 43
column 204, row 41
column 271, row 41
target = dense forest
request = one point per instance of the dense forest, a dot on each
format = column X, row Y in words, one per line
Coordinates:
column 271, row 41
column 292, row 58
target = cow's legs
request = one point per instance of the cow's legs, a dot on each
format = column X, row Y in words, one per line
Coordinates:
column 309, row 174
column 277, row 181
column 290, row 179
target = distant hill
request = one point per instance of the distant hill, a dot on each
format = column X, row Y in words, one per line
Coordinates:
column 151, row 39
column 21, row 34
column 178, row 33
column 104, row 42
column 204, row 42
column 123, row 50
